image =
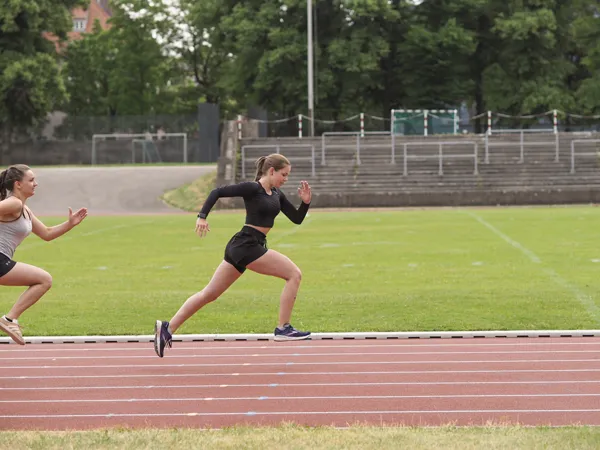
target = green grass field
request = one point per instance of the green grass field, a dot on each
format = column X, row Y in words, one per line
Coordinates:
column 410, row 270
column 322, row 438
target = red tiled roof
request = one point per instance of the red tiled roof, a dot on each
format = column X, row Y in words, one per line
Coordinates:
column 79, row 13
column 96, row 12
column 93, row 12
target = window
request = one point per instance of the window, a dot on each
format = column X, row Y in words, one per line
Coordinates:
column 79, row 25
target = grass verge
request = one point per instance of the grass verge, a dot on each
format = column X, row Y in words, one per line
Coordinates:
column 190, row 197
column 320, row 438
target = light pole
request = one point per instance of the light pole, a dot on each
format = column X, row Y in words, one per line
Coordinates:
column 311, row 112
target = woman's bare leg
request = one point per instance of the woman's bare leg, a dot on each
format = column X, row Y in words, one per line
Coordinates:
column 224, row 276
column 277, row 265
column 38, row 280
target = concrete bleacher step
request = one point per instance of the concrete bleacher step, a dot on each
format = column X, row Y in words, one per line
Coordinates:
column 376, row 174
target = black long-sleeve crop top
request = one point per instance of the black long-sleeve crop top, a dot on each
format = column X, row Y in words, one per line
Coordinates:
column 261, row 208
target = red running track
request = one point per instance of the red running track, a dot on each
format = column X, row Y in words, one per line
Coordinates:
column 530, row 381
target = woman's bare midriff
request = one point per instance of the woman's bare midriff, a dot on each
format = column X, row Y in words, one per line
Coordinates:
column 263, row 230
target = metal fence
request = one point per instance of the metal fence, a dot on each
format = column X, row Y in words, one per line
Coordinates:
column 503, row 147
column 65, row 139
column 503, row 138
column 594, row 154
column 440, row 156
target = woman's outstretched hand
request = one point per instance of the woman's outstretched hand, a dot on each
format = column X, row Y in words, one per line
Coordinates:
column 304, row 192
column 76, row 217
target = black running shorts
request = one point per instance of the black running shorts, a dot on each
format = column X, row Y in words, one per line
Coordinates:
column 245, row 246
column 6, row 264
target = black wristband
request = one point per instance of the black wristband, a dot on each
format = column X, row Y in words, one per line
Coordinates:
column 201, row 216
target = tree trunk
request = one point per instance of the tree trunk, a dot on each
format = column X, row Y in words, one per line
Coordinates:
column 479, row 106
column 4, row 144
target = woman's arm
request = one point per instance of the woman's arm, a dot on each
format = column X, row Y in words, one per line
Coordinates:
column 296, row 215
column 50, row 233
column 243, row 189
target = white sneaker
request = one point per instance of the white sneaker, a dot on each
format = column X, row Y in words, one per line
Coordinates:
column 13, row 329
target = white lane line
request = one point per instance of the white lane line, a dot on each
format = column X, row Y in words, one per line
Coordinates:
column 295, row 385
column 207, row 346
column 298, row 413
column 298, row 355
column 196, row 375
column 586, row 300
column 292, row 397
column 308, row 363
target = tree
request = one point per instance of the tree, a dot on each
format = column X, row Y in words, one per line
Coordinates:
column 202, row 51
column 89, row 63
column 30, row 81
column 477, row 18
column 587, row 36
column 350, row 58
column 530, row 73
column 126, row 70
column 435, row 72
column 140, row 67
column 267, row 44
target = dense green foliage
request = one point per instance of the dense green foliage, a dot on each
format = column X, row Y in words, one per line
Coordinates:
column 163, row 57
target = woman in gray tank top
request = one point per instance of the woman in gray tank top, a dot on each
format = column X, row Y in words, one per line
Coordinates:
column 17, row 184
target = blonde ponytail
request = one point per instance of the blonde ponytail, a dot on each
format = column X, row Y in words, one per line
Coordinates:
column 260, row 162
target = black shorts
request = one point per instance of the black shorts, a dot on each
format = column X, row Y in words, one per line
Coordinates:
column 6, row 264
column 244, row 247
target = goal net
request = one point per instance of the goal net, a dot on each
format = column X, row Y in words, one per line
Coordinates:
column 424, row 122
column 139, row 148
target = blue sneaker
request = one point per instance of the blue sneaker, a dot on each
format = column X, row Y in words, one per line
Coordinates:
column 289, row 333
column 162, row 337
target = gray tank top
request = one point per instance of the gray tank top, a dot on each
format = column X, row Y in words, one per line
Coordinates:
column 13, row 232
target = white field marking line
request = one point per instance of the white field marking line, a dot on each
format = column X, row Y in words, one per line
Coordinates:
column 89, row 233
column 330, row 245
column 294, row 385
column 532, row 256
column 295, row 355
column 289, row 232
column 295, row 413
column 262, row 374
column 263, row 398
column 586, row 300
column 350, row 344
column 334, row 245
column 308, row 363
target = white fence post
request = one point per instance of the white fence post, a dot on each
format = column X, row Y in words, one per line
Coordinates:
column 362, row 125
column 522, row 141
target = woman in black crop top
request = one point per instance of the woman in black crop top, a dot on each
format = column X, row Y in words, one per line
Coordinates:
column 248, row 247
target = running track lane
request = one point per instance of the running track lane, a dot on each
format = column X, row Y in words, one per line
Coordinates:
column 530, row 381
